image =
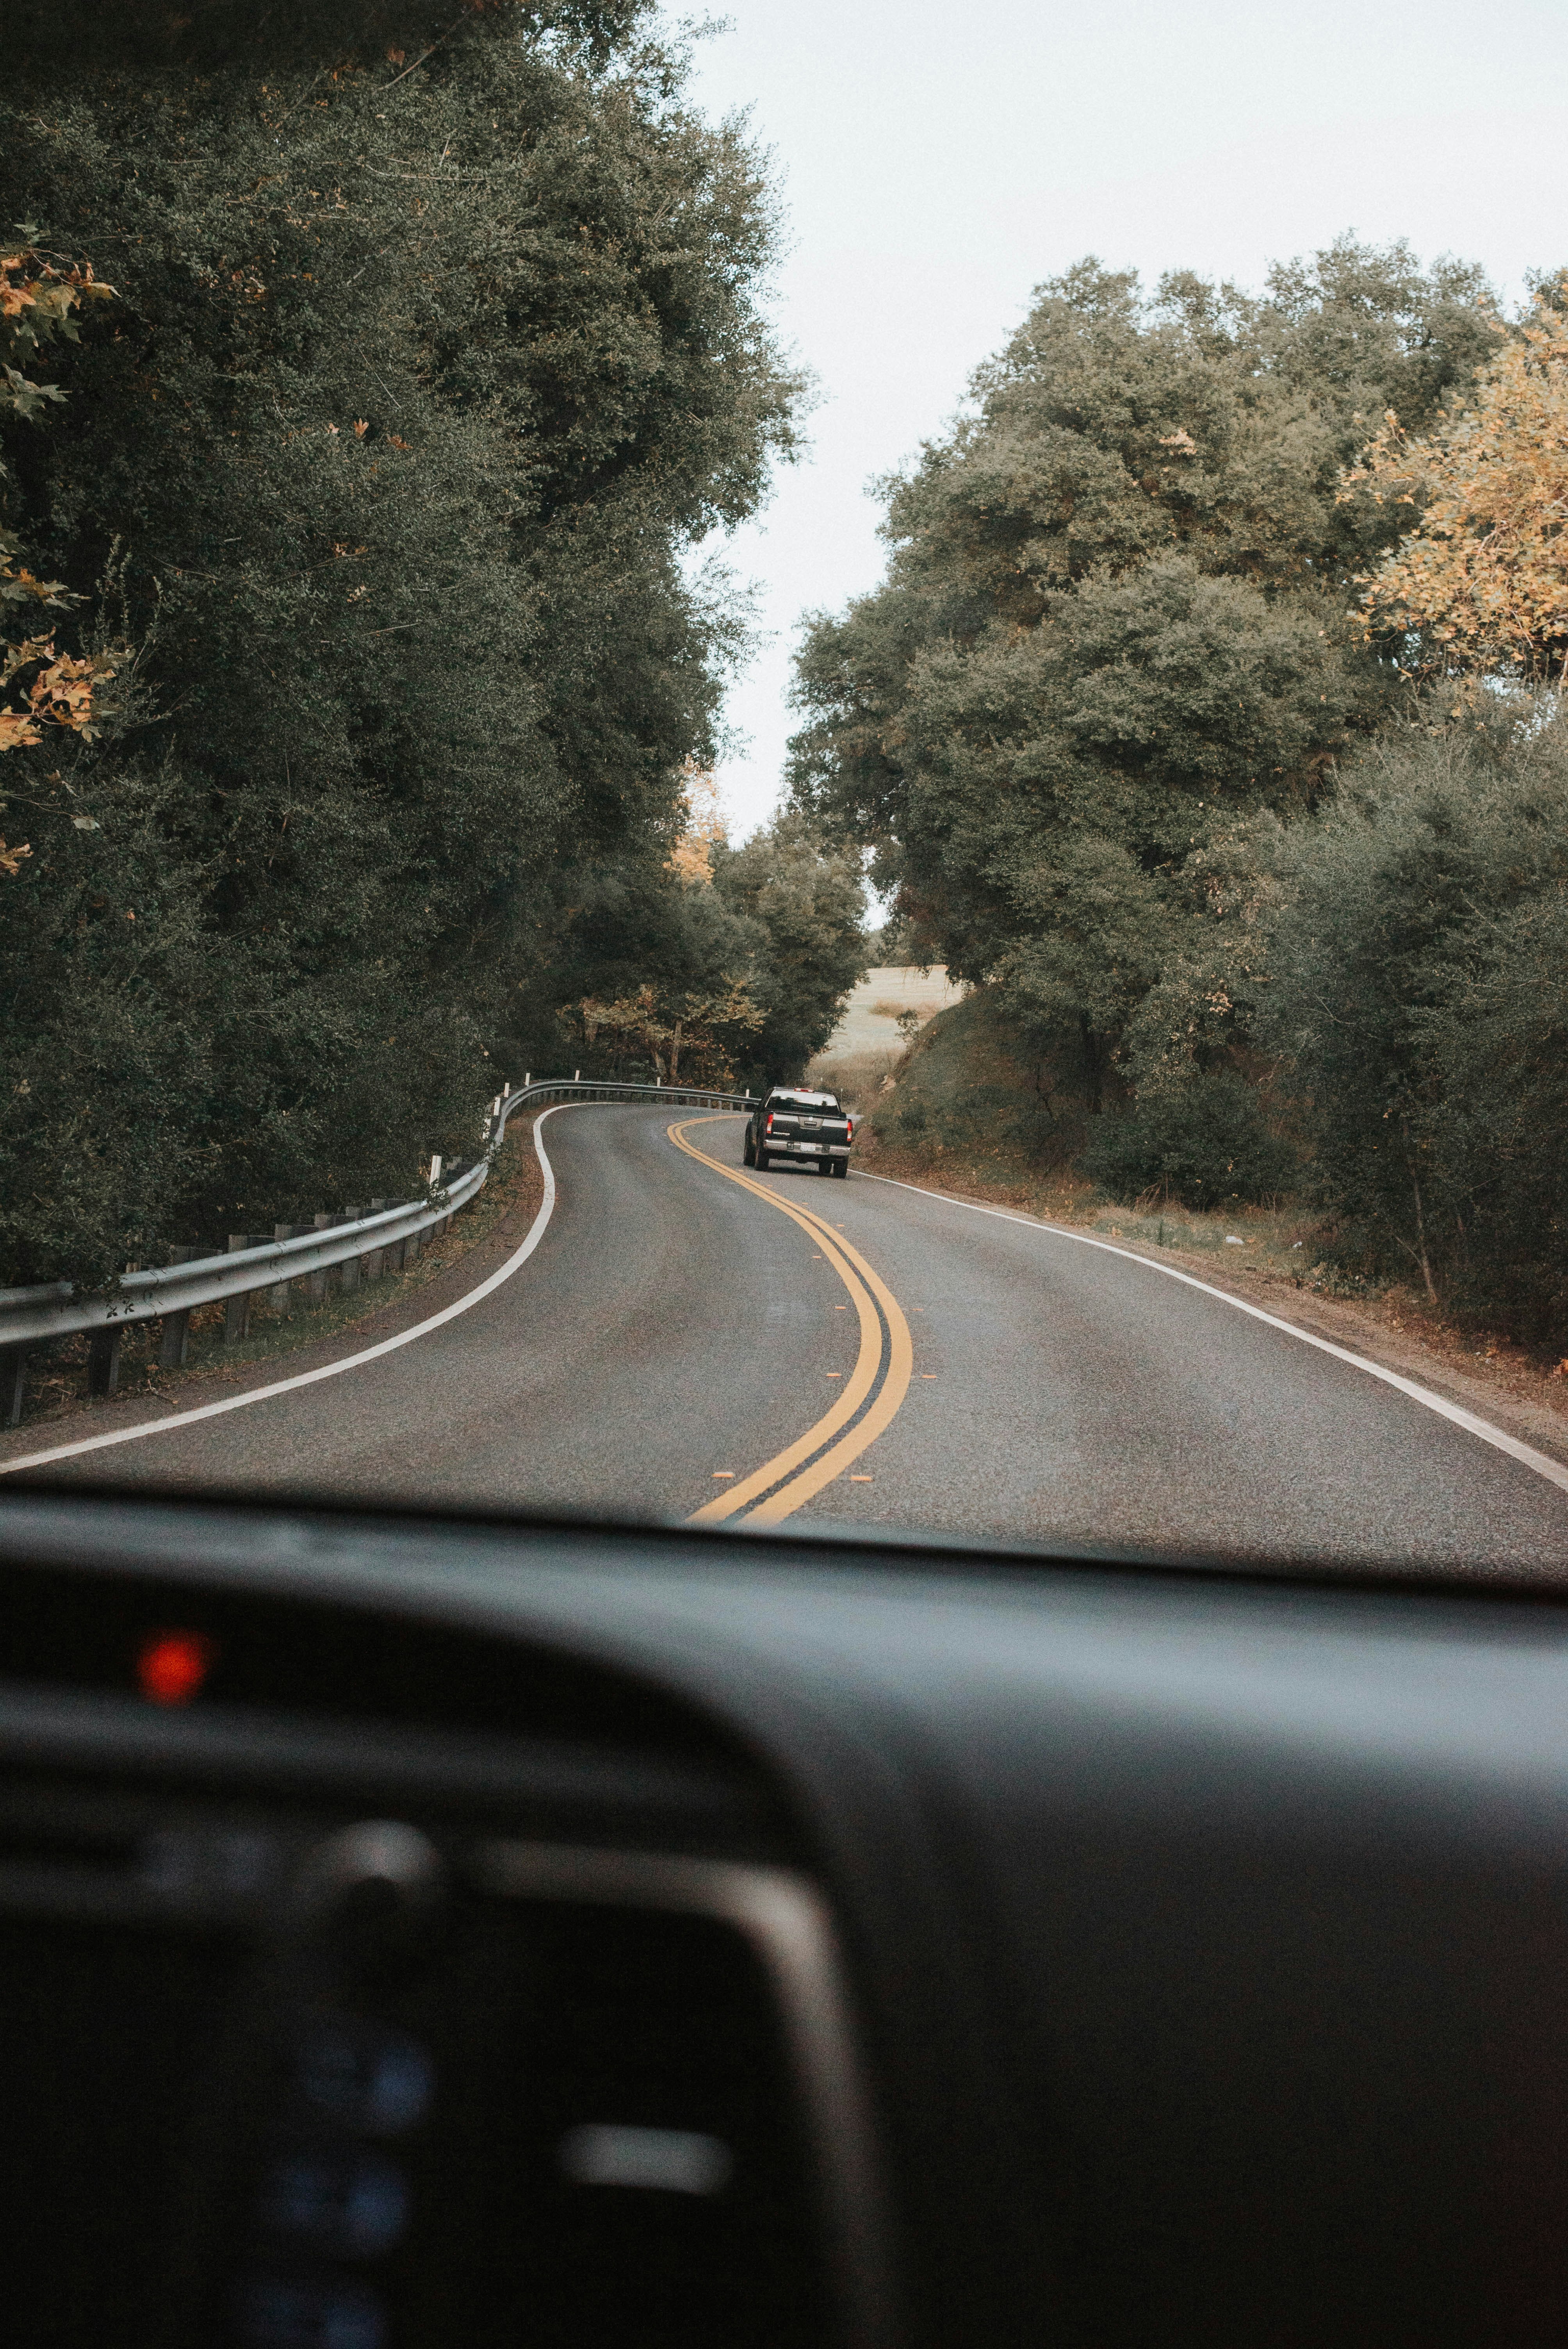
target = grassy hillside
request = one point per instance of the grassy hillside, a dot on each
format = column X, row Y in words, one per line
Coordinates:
column 971, row 1080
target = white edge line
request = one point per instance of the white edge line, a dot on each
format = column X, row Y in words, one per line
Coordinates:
column 1541, row 1462
column 350, row 1361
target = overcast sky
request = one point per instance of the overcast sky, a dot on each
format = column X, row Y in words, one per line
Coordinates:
column 939, row 157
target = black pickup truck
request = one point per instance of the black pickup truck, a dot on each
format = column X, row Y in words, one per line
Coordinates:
column 805, row 1127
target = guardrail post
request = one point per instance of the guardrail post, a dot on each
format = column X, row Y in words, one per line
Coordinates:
column 348, row 1270
column 237, row 1310
column 281, row 1298
column 174, row 1336
column 316, row 1286
column 373, row 1256
column 103, row 1361
column 13, row 1372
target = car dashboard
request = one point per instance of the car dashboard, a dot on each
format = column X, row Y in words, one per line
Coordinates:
column 418, row 1931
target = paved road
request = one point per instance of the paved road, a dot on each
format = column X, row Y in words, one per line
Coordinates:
column 677, row 1345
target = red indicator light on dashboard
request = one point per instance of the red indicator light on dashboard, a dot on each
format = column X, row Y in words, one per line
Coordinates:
column 170, row 1666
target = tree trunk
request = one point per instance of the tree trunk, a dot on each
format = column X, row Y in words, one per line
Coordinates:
column 1421, row 1257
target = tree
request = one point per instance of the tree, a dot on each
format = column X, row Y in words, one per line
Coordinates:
column 733, row 962
column 1418, row 1004
column 1113, row 636
column 1481, row 582
column 809, row 905
column 43, row 692
column 424, row 376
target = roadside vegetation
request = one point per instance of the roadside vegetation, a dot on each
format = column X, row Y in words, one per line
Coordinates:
column 56, row 1377
column 1209, row 723
column 370, row 376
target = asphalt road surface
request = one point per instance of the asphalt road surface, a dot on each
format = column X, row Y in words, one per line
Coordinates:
column 686, row 1338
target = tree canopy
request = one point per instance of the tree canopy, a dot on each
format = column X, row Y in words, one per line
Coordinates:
column 1115, row 631
column 429, row 363
column 1482, row 578
column 1418, row 1006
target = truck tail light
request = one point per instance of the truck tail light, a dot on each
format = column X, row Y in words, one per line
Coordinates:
column 848, row 1129
column 768, row 1127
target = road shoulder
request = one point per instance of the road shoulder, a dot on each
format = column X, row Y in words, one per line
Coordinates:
column 480, row 1237
column 1497, row 1381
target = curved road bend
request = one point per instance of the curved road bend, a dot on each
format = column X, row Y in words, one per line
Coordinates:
column 676, row 1345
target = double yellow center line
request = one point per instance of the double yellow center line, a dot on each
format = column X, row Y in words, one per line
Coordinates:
column 785, row 1483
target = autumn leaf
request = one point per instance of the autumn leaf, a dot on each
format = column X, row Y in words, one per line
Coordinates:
column 691, row 859
column 60, row 694
column 11, row 858
column 361, row 428
column 18, row 731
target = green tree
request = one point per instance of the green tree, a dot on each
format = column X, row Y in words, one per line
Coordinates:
column 733, row 964
column 1114, row 633
column 426, row 371
column 808, row 904
column 1418, row 1003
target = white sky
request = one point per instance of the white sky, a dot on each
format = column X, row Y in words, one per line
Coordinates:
column 939, row 159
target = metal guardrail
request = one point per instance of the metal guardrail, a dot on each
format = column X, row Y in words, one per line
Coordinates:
column 32, row 1316
column 586, row 1089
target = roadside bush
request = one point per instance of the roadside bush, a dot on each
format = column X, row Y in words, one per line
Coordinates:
column 1204, row 1143
column 349, row 615
column 1420, row 1002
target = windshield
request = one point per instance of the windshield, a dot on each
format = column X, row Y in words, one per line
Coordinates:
column 557, row 957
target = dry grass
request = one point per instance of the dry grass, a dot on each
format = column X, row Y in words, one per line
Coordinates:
column 881, row 999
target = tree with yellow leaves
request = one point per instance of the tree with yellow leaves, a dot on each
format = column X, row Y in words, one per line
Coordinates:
column 1481, row 580
column 51, row 689
column 691, row 859
column 706, row 1028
